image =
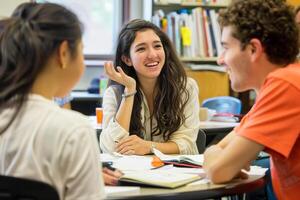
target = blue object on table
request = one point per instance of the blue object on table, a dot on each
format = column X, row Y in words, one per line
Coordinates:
column 224, row 104
column 94, row 86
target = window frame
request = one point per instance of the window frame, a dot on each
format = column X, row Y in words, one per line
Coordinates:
column 123, row 7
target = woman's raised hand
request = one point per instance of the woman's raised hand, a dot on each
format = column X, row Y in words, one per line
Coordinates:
column 119, row 76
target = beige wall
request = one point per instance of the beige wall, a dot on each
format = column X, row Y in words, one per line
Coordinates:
column 294, row 2
column 7, row 6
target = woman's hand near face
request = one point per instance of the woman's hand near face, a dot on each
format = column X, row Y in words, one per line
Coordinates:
column 120, row 77
column 133, row 145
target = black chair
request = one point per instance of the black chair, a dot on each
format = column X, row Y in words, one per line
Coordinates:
column 201, row 141
column 13, row 188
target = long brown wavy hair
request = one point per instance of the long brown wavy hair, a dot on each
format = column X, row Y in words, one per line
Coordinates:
column 27, row 40
column 172, row 94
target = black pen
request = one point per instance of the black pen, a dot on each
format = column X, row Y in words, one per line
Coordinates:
column 108, row 165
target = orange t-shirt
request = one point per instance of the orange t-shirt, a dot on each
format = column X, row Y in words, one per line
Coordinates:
column 274, row 122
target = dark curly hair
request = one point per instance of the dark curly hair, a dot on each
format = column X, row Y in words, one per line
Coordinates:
column 270, row 21
column 169, row 103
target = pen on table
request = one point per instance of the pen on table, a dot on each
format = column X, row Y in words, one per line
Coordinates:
column 108, row 165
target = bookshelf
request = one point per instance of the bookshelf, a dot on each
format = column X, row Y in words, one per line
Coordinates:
column 193, row 29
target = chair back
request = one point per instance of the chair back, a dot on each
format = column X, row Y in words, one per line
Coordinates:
column 13, row 188
column 224, row 104
column 201, row 141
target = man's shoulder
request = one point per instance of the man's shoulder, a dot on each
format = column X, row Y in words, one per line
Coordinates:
column 290, row 74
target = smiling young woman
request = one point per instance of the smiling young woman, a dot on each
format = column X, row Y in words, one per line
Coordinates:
column 160, row 104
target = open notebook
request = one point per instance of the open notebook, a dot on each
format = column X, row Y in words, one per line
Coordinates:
column 194, row 161
column 158, row 178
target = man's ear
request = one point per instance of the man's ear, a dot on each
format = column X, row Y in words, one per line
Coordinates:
column 63, row 54
column 256, row 49
column 126, row 60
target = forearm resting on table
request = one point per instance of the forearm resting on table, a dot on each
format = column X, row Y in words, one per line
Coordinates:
column 223, row 164
column 167, row 147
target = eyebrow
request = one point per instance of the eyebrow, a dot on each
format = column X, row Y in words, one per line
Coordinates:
column 142, row 44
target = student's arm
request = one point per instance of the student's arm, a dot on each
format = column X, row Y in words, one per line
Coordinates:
column 116, row 120
column 229, row 137
column 112, row 131
column 124, row 112
column 136, row 145
column 222, row 165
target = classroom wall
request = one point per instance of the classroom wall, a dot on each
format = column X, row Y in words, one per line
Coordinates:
column 294, row 2
column 7, row 6
column 138, row 9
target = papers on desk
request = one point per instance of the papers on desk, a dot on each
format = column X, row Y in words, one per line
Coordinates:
column 254, row 170
column 128, row 163
column 138, row 170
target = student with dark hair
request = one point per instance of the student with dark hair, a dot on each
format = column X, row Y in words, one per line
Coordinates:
column 41, row 57
column 150, row 102
column 260, row 40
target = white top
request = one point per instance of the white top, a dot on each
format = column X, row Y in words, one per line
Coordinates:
column 52, row 145
column 185, row 137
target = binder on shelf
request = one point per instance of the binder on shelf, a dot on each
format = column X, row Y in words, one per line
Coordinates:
column 202, row 27
column 216, row 30
column 211, row 33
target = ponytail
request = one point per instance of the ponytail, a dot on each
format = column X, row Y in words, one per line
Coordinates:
column 28, row 39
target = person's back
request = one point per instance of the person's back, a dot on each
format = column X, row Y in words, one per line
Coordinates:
column 53, row 145
column 41, row 58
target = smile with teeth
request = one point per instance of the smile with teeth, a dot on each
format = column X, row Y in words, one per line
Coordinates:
column 153, row 64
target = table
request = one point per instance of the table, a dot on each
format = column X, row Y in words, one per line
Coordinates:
column 215, row 131
column 212, row 127
column 201, row 191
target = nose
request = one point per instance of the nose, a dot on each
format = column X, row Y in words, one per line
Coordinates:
column 152, row 53
column 220, row 60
